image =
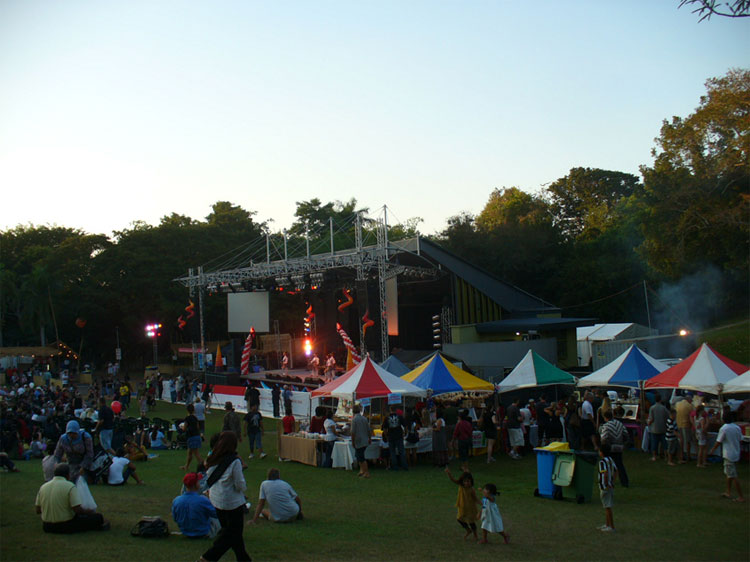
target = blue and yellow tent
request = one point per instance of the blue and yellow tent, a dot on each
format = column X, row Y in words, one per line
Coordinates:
column 442, row 377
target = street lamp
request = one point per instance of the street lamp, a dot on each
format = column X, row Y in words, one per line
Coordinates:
column 153, row 332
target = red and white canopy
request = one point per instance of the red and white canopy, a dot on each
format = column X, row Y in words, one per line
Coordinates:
column 704, row 371
column 367, row 380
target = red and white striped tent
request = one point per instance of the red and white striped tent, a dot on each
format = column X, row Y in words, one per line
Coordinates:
column 368, row 380
column 704, row 371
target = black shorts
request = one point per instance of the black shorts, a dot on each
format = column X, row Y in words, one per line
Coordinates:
column 360, row 454
column 463, row 450
column 587, row 428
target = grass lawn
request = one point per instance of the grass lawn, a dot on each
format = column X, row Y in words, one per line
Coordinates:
column 668, row 513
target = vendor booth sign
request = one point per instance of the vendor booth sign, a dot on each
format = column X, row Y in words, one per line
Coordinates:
column 394, row 398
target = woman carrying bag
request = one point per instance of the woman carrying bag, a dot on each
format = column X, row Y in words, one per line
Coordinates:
column 226, row 490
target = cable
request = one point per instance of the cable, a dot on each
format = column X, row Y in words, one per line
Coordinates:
column 639, row 284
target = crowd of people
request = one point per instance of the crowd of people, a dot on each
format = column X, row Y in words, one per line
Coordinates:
column 61, row 426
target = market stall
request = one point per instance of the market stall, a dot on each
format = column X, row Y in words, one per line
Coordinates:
column 628, row 370
column 533, row 371
column 442, row 377
column 704, row 371
column 300, row 449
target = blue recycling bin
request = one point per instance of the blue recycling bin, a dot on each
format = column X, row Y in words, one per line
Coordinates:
column 545, row 466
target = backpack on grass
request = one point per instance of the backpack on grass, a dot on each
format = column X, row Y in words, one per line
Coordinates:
column 150, row 527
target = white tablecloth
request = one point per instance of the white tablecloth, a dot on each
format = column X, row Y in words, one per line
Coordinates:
column 343, row 455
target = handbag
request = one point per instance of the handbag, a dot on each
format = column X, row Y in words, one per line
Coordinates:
column 150, row 527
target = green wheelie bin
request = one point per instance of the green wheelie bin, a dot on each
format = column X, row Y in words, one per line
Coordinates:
column 575, row 473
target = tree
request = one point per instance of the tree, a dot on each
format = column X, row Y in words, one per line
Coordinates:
column 696, row 201
column 513, row 206
column 707, row 8
column 584, row 201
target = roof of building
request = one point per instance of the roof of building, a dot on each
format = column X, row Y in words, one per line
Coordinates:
column 526, row 324
column 509, row 297
column 602, row 332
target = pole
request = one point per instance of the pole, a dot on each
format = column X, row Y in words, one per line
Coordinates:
column 330, row 225
column 648, row 312
column 285, row 253
column 156, row 351
column 200, row 311
column 307, row 241
column 268, row 248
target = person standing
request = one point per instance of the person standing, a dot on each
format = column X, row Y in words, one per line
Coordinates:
column 288, row 398
column 361, row 438
column 588, row 430
column 232, row 421
column 315, row 365
column 275, row 400
column 330, row 436
column 614, row 433
column 657, row 427
column 285, row 362
column 105, row 426
column 200, row 413
column 439, row 441
column 730, row 438
column 393, row 428
column 542, row 421
column 252, row 396
column 194, row 441
column 462, row 434
column 330, row 367
column 515, row 433
column 254, row 431
column 489, row 427
column 607, row 474
column 226, row 490
column 685, row 431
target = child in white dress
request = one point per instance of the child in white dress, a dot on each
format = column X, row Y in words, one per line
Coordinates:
column 491, row 520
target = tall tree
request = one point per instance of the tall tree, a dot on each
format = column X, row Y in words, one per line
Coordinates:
column 696, row 199
column 583, row 202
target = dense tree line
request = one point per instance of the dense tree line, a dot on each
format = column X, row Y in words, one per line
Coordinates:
column 586, row 243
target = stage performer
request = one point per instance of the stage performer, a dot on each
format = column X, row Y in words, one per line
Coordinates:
column 330, row 367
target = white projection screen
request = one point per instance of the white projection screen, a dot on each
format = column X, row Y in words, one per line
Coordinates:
column 248, row 309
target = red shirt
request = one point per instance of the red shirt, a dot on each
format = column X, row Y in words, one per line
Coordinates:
column 463, row 431
column 288, row 423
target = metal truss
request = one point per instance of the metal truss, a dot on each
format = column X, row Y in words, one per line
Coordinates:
column 365, row 261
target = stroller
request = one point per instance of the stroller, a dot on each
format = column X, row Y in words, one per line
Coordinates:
column 100, row 465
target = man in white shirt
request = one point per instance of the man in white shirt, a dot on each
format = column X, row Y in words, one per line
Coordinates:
column 588, row 430
column 283, row 502
column 730, row 437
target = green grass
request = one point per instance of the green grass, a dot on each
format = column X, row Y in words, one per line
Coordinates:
column 668, row 513
column 732, row 341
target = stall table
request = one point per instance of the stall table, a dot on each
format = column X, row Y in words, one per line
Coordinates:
column 299, row 449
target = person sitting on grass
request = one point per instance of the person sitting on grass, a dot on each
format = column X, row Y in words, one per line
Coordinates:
column 60, row 506
column 133, row 451
column 284, row 505
column 121, row 469
column 157, row 439
column 193, row 512
column 6, row 463
column 607, row 474
column 466, row 503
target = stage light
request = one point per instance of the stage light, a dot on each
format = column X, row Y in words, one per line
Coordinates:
column 308, row 346
column 684, row 332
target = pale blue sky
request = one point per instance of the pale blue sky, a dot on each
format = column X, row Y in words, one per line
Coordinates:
column 113, row 111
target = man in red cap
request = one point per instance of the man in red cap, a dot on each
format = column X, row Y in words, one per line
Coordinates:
column 193, row 512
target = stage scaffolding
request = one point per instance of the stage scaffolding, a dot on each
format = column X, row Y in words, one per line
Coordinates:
column 379, row 262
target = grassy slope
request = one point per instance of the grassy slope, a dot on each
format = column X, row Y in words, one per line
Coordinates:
column 669, row 513
column 732, row 341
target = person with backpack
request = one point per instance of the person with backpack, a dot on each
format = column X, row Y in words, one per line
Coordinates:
column 393, row 431
column 226, row 490
column 77, row 446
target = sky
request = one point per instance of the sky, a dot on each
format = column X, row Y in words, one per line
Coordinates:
column 112, row 112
